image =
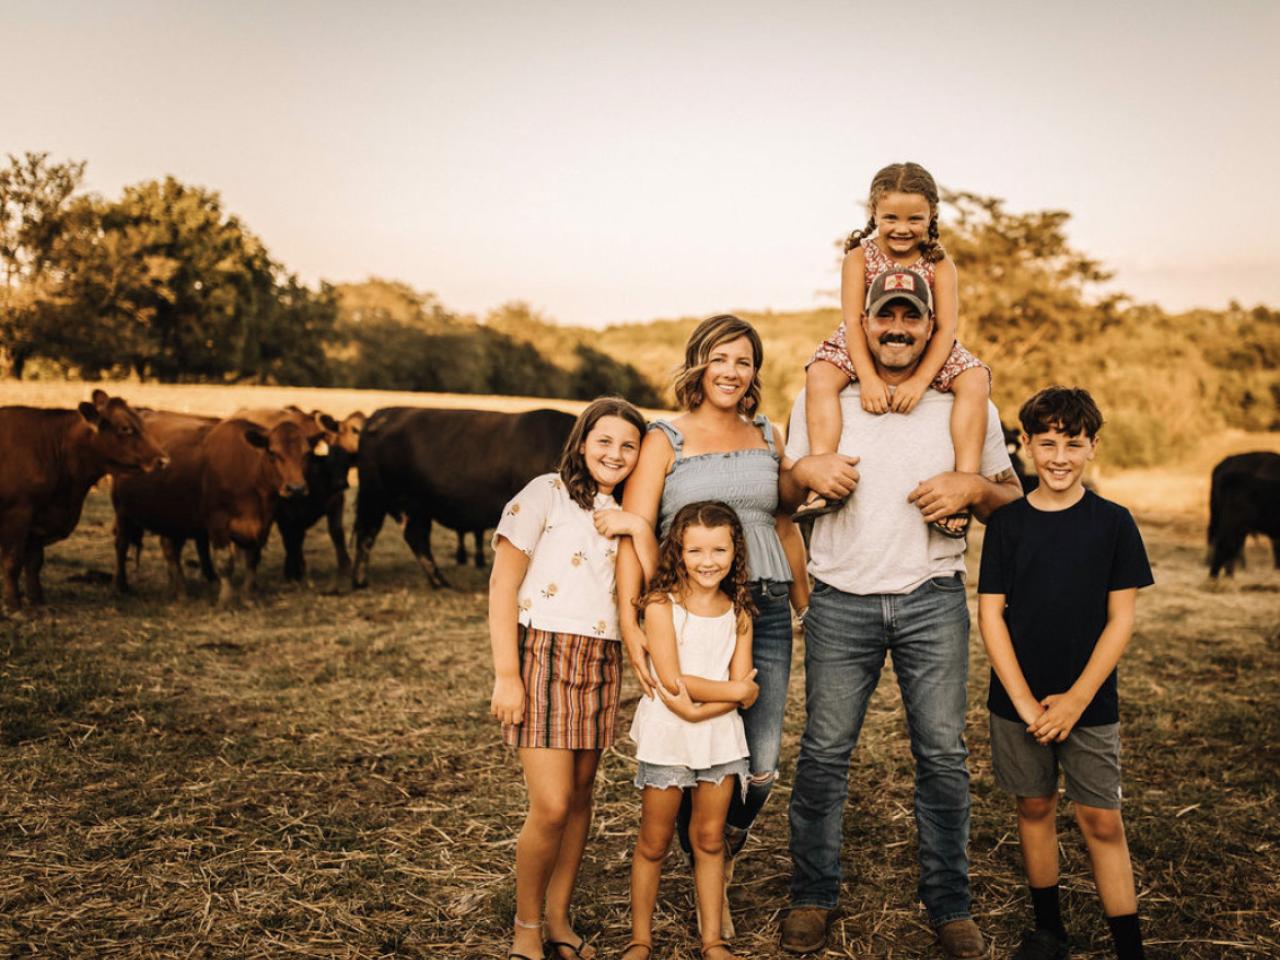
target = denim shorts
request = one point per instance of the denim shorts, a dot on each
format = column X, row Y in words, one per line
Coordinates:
column 660, row 776
column 1089, row 758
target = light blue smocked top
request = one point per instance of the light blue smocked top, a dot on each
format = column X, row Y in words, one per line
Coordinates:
column 746, row 480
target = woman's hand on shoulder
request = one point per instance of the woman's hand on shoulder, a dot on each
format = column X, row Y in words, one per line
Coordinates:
column 507, row 702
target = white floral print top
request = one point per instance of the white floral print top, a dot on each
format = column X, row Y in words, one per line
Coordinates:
column 569, row 586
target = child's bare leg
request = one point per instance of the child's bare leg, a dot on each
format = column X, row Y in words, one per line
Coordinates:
column 1109, row 854
column 572, row 844
column 972, row 390
column 548, row 776
column 1038, row 834
column 706, row 830
column 658, row 810
column 1113, row 873
column 823, row 382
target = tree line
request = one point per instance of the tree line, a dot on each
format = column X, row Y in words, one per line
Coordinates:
column 162, row 283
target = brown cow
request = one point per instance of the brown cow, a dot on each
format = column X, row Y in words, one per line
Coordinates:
column 326, row 473
column 224, row 482
column 48, row 461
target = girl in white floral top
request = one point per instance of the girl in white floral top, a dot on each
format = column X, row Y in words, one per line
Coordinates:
column 553, row 623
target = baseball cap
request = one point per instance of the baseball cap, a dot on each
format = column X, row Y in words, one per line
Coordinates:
column 899, row 285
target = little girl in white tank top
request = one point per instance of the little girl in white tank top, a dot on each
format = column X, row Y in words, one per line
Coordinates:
column 697, row 623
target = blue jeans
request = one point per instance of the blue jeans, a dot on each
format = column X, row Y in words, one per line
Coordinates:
column 771, row 656
column 846, row 639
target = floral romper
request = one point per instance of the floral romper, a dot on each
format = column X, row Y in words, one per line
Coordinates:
column 835, row 348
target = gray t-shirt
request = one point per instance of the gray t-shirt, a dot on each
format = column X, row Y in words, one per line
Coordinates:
column 879, row 543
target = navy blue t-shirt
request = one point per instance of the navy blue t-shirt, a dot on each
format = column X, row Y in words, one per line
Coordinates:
column 1055, row 569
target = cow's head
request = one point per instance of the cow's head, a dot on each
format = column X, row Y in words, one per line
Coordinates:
column 318, row 428
column 349, row 431
column 119, row 436
column 286, row 449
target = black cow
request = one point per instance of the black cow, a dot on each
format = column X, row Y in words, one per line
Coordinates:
column 459, row 467
column 1013, row 443
column 1244, row 498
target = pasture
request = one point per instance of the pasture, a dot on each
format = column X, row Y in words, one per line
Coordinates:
column 318, row 775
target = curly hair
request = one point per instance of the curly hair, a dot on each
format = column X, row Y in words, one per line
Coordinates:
column 573, row 465
column 903, row 178
column 671, row 574
column 709, row 334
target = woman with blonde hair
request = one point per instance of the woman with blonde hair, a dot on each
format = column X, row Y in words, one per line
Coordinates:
column 721, row 448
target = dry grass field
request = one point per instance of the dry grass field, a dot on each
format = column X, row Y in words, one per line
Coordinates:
column 318, row 776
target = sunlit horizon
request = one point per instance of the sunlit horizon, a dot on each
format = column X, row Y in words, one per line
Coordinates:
column 618, row 164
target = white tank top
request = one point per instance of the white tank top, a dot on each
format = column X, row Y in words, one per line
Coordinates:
column 705, row 648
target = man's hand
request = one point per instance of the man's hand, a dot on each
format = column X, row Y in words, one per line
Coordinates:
column 947, row 493
column 1062, row 710
column 832, row 475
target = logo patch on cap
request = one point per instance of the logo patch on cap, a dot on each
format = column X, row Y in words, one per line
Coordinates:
column 900, row 281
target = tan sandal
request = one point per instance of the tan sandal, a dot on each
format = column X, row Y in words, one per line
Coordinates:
column 721, row 944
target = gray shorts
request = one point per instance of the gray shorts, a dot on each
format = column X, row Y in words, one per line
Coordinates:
column 662, row 776
column 1089, row 758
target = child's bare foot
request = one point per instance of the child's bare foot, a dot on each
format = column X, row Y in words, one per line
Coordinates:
column 816, row 506
column 636, row 950
column 527, row 942
column 719, row 950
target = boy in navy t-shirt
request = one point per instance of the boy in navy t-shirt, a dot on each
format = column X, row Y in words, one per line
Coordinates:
column 1056, row 593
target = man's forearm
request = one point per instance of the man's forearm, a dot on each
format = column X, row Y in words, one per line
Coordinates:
column 992, row 494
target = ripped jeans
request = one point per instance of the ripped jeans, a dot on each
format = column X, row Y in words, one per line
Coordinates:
column 771, row 656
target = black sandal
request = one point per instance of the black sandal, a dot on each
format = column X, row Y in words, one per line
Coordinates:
column 555, row 945
column 955, row 533
column 808, row 512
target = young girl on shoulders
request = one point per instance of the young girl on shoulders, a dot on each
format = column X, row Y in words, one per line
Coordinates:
column 902, row 232
column 557, row 656
column 697, row 621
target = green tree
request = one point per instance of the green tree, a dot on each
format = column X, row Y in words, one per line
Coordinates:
column 35, row 203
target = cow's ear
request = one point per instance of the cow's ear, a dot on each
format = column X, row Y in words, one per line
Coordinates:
column 326, row 422
column 99, row 398
column 256, row 438
column 90, row 412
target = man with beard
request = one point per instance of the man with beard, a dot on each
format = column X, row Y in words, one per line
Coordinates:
column 885, row 582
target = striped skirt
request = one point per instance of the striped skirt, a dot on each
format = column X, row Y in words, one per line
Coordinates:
column 572, row 685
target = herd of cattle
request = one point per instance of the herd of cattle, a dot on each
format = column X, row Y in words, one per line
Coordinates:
column 224, row 482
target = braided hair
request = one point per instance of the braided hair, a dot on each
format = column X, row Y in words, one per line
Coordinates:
column 903, row 178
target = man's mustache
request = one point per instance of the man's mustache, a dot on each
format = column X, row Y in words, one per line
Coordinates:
column 903, row 338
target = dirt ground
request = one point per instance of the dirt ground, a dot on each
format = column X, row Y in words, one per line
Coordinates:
column 318, row 776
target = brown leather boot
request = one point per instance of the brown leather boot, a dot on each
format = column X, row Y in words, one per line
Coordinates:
column 961, row 938
column 805, row 929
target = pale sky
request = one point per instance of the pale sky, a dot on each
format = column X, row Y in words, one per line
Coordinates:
column 611, row 161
